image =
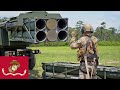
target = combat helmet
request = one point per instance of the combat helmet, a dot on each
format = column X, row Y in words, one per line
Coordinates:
column 86, row 27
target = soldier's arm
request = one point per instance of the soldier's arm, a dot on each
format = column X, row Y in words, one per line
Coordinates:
column 97, row 58
column 96, row 48
column 75, row 44
column 95, row 40
column 96, row 45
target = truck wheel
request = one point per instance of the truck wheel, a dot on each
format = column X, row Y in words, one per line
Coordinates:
column 32, row 62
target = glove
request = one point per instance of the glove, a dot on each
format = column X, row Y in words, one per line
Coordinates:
column 73, row 37
column 73, row 34
column 72, row 40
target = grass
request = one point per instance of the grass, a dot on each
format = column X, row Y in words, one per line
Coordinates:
column 109, row 55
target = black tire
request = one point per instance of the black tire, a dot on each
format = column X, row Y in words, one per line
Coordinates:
column 32, row 62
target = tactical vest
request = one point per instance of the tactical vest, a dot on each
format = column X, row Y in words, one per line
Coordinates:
column 88, row 49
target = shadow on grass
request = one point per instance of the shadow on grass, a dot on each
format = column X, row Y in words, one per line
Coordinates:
column 34, row 74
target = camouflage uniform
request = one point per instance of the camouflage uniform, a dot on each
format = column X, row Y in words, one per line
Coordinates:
column 79, row 44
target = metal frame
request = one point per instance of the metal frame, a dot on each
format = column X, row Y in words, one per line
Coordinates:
column 31, row 39
column 65, row 72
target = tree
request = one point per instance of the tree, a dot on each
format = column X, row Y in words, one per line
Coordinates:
column 70, row 31
column 3, row 19
column 97, row 33
column 105, row 34
column 78, row 27
column 118, row 30
column 113, row 30
column 103, row 25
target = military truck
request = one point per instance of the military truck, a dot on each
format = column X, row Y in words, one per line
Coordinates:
column 17, row 33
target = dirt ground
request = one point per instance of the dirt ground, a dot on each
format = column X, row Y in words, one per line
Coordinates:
column 34, row 74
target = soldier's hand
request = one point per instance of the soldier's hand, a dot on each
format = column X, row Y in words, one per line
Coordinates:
column 73, row 34
column 72, row 39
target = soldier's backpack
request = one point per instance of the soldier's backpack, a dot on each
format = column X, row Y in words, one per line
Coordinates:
column 89, row 50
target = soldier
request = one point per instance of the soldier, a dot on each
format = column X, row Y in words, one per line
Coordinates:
column 87, row 52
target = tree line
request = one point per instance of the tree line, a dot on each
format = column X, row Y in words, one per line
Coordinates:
column 101, row 32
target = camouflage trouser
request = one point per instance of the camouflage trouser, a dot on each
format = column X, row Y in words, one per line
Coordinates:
column 83, row 73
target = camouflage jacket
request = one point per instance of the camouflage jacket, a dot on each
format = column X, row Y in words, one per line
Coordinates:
column 79, row 44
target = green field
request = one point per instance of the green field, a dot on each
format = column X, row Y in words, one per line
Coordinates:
column 109, row 55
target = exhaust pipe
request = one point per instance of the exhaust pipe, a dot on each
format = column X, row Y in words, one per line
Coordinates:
column 62, row 24
column 62, row 35
column 41, row 36
column 51, row 24
column 52, row 35
column 40, row 24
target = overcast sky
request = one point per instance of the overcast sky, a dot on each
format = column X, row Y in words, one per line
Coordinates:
column 112, row 18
